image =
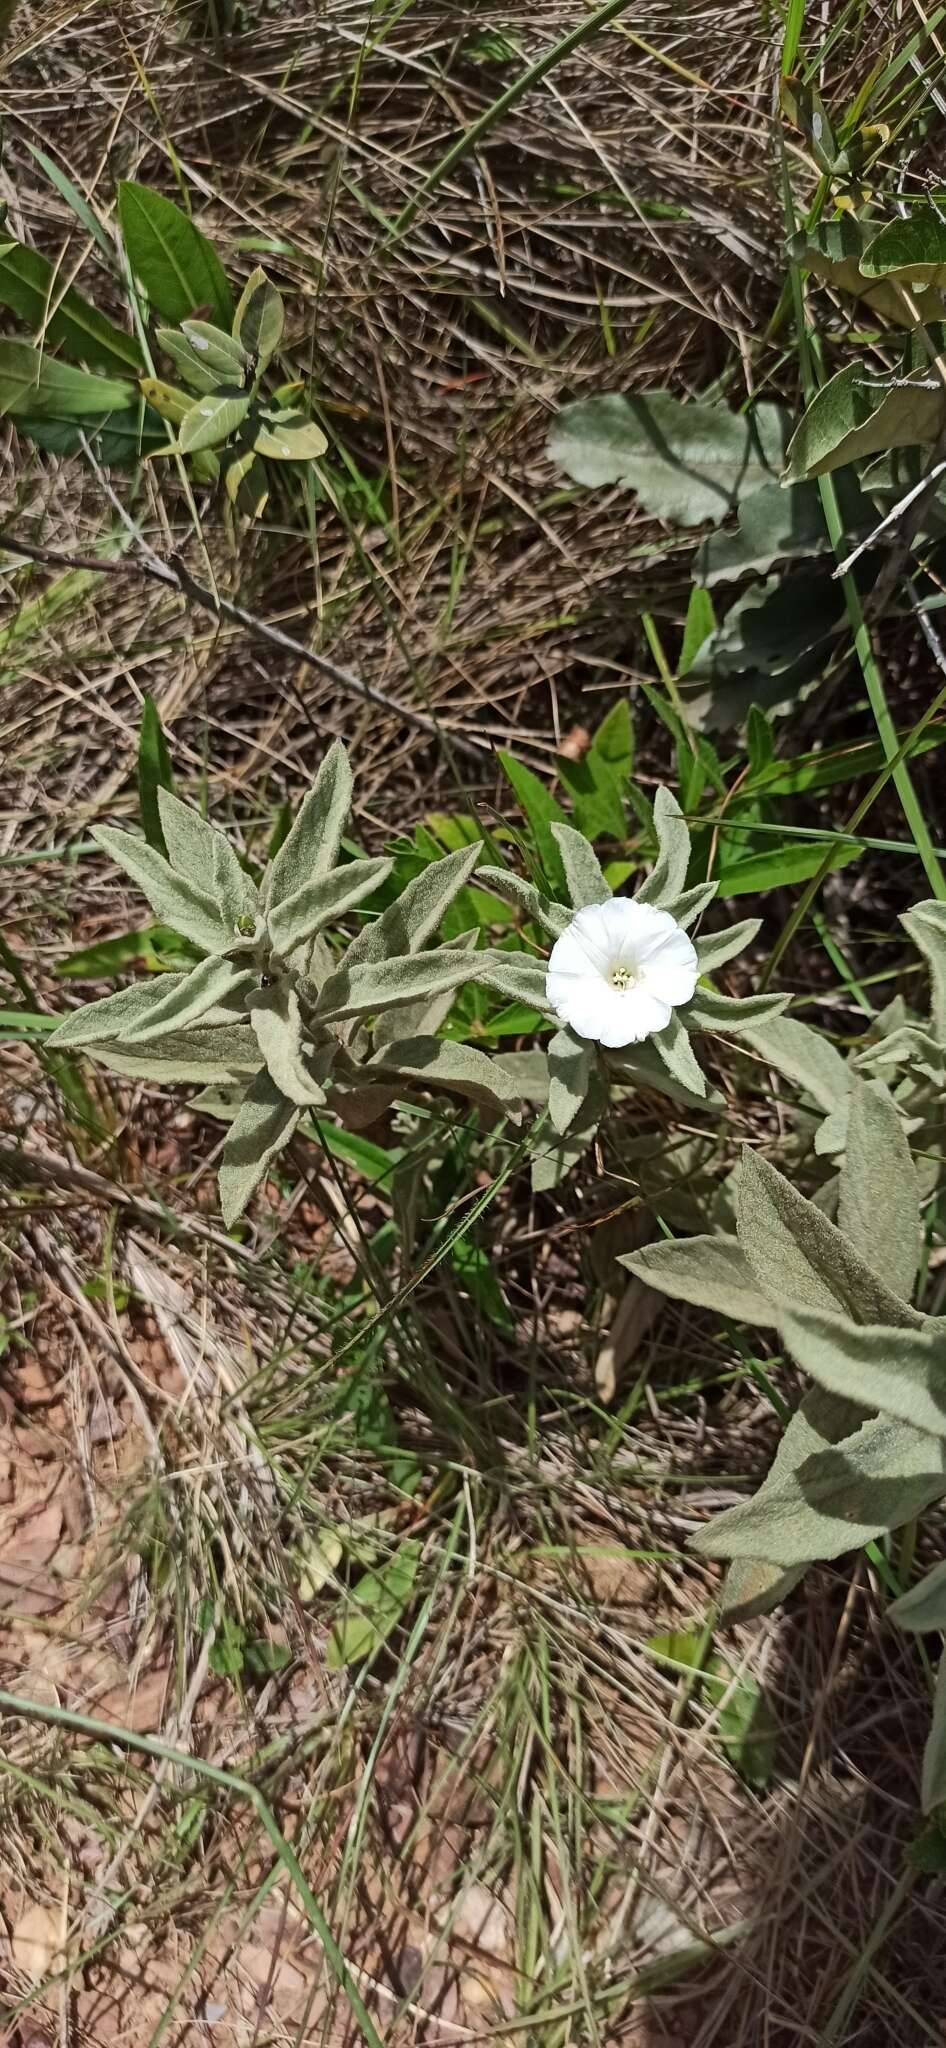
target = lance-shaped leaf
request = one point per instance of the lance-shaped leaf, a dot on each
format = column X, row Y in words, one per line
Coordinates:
column 515, row 975
column 878, row 1195
column 187, row 360
column 835, row 1499
column 691, row 903
column 641, row 1066
column 311, row 847
column 205, row 1053
column 911, row 1048
column 570, row 1068
column 712, row 1272
column 112, row 1016
column 673, row 1047
column 801, row 1259
column 554, row 917
column 383, row 984
column 443, row 1063
column 554, row 1156
column 258, row 320
column 715, row 948
column 899, row 1372
column 528, row 1072
column 923, row 1608
column 752, row 1586
column 277, row 1022
column 263, row 1124
column 422, row 1019
column 407, row 924
column 926, row 925
column 221, row 352
column 669, row 873
column 319, row 902
column 933, row 1781
column 211, row 420
column 203, row 855
column 804, row 1056
column 174, row 900
column 214, row 981
column 709, row 1011
column 583, row 877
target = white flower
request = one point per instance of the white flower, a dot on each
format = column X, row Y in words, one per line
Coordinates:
column 618, row 971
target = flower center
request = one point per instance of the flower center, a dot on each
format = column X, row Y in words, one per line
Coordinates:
column 622, row 977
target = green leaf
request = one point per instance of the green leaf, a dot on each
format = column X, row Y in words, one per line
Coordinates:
column 210, row 421
column 925, row 924
column 174, row 900
column 673, row 1048
column 30, row 285
column 933, row 1781
column 879, row 1196
column 34, row 383
column 834, row 250
column 312, row 846
column 208, row 1053
column 258, row 320
column 712, row 1272
column 424, row 1018
column 854, row 415
column 112, row 1016
column 804, row 1056
column 373, row 1608
column 795, row 861
column 154, row 773
column 715, row 948
column 923, row 1608
column 155, row 946
column 668, row 875
column 541, row 811
column 897, row 1372
column 691, row 903
column 219, row 352
column 774, row 525
column 555, row 917
column 709, row 1011
column 177, row 266
column 800, row 1258
column 277, row 1022
column 752, row 1587
column 916, row 246
column 571, row 1062
column 202, row 855
column 407, row 924
column 188, row 361
column 836, row 1498
column 745, row 1724
column 517, row 976
column 289, row 437
column 74, row 199
column 583, row 877
column 318, row 903
column 686, row 460
column 554, row 1156
column 445, row 1063
column 383, row 984
column 700, row 621
column 209, row 984
column 246, row 484
column 263, row 1124
column 596, row 783
column 475, row 1271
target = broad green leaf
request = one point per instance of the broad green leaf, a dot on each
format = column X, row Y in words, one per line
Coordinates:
column 173, row 899
column 933, row 1781
column 219, row 351
column 112, row 1016
column 916, row 246
column 540, row 809
column 800, row 1258
column 517, row 976
column 583, row 877
column 208, row 1053
column 744, row 1721
column 804, row 1056
column 856, row 414
column 795, row 861
column 290, row 438
column 154, row 945
column 246, row 484
column 669, row 873
column 34, row 383
column 555, row 917
column 713, row 949
column 318, row 903
column 202, row 855
column 752, row 1587
column 687, row 460
column 462, row 1069
column 925, row 924
column 263, row 1124
column 554, row 1156
column 211, row 420
column 878, row 1195
column 175, row 263
column 700, row 622
column 923, row 1608
column 373, row 1608
column 834, row 1499
column 258, row 320
column 712, row 1272
column 833, row 251
column 596, row 783
column 383, row 984
column 31, row 286
column 187, row 360
column 212, row 982
column 407, row 924
column 154, row 773
column 710, row 1011
column 673, row 1048
column 898, row 1372
column 277, row 1022
column 167, row 400
column 774, row 525
column 570, row 1067
column 313, row 843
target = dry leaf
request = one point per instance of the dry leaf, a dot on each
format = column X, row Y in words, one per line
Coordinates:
column 636, row 1311
column 35, row 1943
column 27, row 1542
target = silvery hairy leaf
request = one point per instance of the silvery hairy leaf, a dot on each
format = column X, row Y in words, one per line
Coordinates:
column 668, row 875
column 512, row 888
column 406, row 925
column 752, row 1586
column 735, row 1015
column 926, row 926
column 804, row 1056
column 553, row 1155
column 518, row 976
column 800, row 1259
column 690, row 905
column 298, row 917
column 175, row 900
column 212, row 983
column 584, row 879
column 112, row 1016
column 640, row 1066
column 715, row 948
column 878, row 1195
column 673, row 1047
column 203, row 855
column 423, row 1018
column 444, row 1063
column 205, row 1053
column 899, row 1372
column 263, row 1124
column 712, row 1272
column 311, row 847
column 277, row 1023
column 933, row 1781
column 571, row 1063
column 380, row 984
column 923, row 1608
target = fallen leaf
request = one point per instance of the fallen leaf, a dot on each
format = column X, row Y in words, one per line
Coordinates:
column 34, row 1943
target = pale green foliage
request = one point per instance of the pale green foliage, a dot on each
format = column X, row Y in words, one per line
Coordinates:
column 687, row 461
